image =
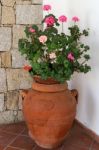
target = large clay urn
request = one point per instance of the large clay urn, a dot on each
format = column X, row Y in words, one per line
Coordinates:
column 49, row 110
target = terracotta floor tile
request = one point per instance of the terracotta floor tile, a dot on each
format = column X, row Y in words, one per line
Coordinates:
column 2, row 127
column 2, row 147
column 39, row 148
column 14, row 128
column 70, row 147
column 95, row 146
column 18, row 135
column 5, row 138
column 23, row 142
column 25, row 132
column 79, row 139
column 12, row 148
column 76, row 128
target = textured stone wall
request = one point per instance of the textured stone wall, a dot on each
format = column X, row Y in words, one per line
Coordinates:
column 14, row 16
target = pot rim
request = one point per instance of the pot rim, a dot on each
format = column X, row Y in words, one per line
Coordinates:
column 48, row 81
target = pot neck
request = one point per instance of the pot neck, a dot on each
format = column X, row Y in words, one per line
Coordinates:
column 52, row 88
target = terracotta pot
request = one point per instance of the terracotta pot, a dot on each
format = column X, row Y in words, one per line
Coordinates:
column 49, row 111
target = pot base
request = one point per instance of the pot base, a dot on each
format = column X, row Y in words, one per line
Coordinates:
column 48, row 146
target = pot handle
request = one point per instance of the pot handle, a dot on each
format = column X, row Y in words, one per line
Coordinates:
column 23, row 93
column 74, row 93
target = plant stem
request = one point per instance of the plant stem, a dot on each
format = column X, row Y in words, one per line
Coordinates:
column 62, row 28
column 82, row 52
column 83, row 62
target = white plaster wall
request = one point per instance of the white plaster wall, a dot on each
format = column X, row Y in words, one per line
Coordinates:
column 87, row 85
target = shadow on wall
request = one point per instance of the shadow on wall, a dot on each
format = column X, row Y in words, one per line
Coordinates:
column 90, row 106
column 86, row 109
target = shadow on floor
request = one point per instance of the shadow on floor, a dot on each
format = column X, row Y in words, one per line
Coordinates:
column 15, row 137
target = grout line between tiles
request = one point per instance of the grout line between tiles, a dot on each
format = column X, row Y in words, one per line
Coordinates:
column 15, row 148
column 90, row 148
column 14, row 139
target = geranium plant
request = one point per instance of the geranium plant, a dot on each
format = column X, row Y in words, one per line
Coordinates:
column 53, row 54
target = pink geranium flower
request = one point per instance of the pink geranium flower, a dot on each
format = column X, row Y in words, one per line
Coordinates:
column 70, row 57
column 50, row 21
column 75, row 19
column 62, row 18
column 43, row 39
column 52, row 55
column 47, row 7
column 31, row 30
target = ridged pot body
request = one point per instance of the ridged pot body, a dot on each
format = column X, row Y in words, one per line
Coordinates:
column 49, row 111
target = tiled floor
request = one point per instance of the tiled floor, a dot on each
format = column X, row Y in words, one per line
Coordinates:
column 15, row 137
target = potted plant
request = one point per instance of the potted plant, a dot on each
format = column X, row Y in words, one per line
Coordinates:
column 50, row 108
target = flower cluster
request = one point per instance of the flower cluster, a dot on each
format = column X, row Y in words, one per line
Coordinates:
column 54, row 54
